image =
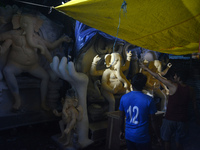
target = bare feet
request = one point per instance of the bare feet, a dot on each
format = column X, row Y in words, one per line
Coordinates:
column 17, row 103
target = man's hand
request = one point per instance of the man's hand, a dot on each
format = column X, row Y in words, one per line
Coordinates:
column 142, row 66
column 121, row 135
column 160, row 142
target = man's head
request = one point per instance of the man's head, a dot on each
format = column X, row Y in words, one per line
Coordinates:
column 138, row 81
column 177, row 74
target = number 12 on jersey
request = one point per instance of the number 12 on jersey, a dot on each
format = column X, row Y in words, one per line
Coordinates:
column 130, row 110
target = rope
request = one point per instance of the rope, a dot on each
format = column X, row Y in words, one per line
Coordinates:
column 124, row 7
column 29, row 3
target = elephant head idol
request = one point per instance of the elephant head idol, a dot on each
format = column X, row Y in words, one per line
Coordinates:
column 24, row 43
column 71, row 114
column 153, row 85
column 113, row 80
column 79, row 83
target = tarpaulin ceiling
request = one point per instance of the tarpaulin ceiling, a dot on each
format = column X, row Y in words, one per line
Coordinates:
column 166, row 26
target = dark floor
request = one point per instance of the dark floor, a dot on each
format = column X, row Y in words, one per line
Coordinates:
column 34, row 137
column 192, row 141
column 39, row 137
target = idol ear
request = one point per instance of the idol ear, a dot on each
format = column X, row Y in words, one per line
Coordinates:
column 37, row 24
column 107, row 60
column 16, row 21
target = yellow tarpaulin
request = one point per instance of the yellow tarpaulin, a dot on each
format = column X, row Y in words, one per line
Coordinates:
column 167, row 26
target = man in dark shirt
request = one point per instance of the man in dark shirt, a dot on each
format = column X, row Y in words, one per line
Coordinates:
column 175, row 122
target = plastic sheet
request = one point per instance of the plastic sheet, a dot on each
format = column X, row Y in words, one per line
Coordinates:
column 84, row 33
column 166, row 26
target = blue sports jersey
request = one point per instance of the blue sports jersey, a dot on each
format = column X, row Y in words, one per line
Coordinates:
column 137, row 107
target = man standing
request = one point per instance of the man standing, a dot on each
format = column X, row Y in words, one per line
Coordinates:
column 137, row 107
column 176, row 117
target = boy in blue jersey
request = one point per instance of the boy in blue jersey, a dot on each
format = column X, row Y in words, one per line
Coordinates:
column 137, row 107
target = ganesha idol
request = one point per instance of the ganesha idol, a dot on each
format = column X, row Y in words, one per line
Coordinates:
column 113, row 80
column 24, row 43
